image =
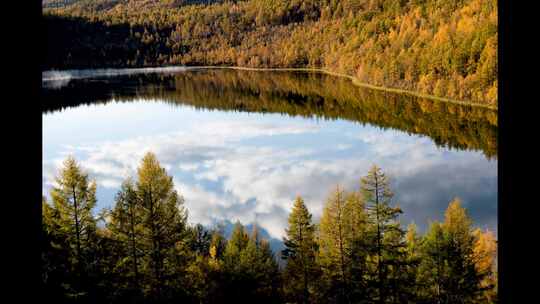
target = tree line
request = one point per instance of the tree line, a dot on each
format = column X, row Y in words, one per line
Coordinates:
column 143, row 250
column 306, row 94
column 445, row 48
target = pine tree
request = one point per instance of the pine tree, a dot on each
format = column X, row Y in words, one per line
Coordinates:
column 73, row 199
column 200, row 240
column 464, row 283
column 125, row 227
column 217, row 244
column 399, row 281
column 235, row 278
column 269, row 283
column 55, row 255
column 357, row 245
column 333, row 245
column 236, row 244
column 251, row 271
column 414, row 243
column 432, row 272
column 485, row 255
column 163, row 227
column 448, row 260
column 301, row 270
column 387, row 235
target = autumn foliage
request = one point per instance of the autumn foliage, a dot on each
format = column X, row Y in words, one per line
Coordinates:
column 438, row 47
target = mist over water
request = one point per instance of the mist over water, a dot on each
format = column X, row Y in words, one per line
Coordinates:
column 56, row 79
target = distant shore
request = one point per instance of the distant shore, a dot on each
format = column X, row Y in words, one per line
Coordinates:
column 353, row 79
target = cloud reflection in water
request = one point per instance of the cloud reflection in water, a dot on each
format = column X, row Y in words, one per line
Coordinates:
column 231, row 165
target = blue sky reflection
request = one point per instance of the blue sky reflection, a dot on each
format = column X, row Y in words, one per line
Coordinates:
column 250, row 166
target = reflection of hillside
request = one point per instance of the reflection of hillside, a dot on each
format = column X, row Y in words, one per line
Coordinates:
column 295, row 94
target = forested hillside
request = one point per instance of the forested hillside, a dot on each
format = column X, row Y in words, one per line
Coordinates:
column 144, row 250
column 446, row 48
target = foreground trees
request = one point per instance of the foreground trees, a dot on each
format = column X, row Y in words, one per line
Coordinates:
column 301, row 271
column 389, row 261
column 71, row 228
column 149, row 224
column 455, row 260
column 146, row 252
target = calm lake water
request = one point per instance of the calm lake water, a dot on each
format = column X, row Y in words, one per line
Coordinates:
column 242, row 144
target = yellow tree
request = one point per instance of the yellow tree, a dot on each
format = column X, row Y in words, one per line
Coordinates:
column 300, row 253
column 73, row 200
column 332, row 243
column 485, row 253
column 74, row 197
column 162, row 228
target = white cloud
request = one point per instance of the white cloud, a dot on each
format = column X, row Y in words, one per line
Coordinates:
column 229, row 179
column 190, row 167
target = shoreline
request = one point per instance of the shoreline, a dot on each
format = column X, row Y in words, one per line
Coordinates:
column 356, row 82
column 353, row 79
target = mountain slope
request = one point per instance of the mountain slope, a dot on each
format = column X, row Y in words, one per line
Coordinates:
column 439, row 47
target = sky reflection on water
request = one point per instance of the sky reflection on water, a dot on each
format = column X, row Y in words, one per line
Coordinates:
column 250, row 166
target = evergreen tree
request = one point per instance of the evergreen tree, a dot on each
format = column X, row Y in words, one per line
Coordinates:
column 448, row 259
column 357, row 249
column 73, row 199
column 485, row 253
column 251, row 271
column 333, row 247
column 414, row 243
column 163, row 228
column 387, row 236
column 125, row 227
column 269, row 283
column 235, row 245
column 301, row 270
column 361, row 255
column 217, row 244
column 234, row 284
column 432, row 272
column 464, row 283
column 200, row 240
column 56, row 268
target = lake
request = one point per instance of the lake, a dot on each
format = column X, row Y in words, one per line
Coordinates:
column 241, row 145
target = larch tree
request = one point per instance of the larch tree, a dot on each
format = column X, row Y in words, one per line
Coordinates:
column 399, row 280
column 414, row 243
column 73, row 199
column 218, row 242
column 301, row 270
column 235, row 245
column 250, row 254
column 163, row 226
column 269, row 283
column 387, row 234
column 200, row 240
column 54, row 255
column 125, row 226
column 485, row 254
column 333, row 244
column 356, row 244
column 432, row 271
column 464, row 285
column 449, row 263
column 233, row 269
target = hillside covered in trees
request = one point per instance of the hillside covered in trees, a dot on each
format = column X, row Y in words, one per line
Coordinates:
column 144, row 250
column 445, row 48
